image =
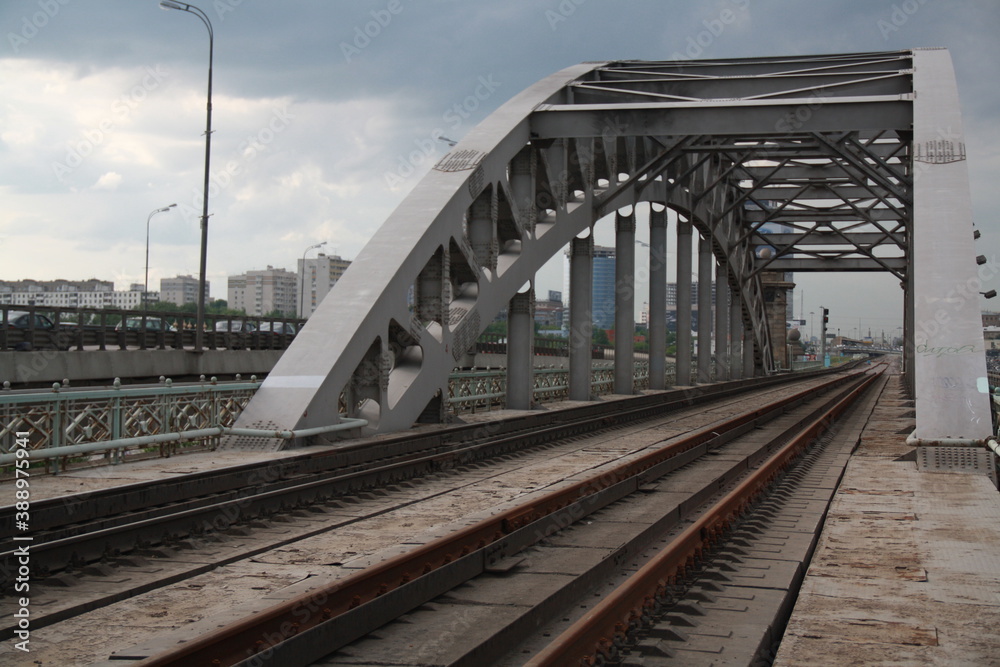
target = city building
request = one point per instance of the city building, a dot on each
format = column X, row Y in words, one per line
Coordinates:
column 315, row 278
column 672, row 306
column 181, row 290
column 549, row 312
column 90, row 293
column 262, row 292
column 603, row 285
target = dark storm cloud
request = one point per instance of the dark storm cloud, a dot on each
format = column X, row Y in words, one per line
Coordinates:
column 371, row 86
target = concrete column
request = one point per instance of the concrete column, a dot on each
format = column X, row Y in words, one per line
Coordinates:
column 706, row 263
column 721, row 322
column 520, row 351
column 581, row 326
column 624, row 303
column 735, row 336
column 682, row 366
column 657, row 298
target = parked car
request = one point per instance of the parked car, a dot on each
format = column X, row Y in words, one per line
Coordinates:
column 46, row 334
column 277, row 328
column 235, row 326
column 21, row 319
column 151, row 324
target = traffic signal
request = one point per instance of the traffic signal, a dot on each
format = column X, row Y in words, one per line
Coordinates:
column 826, row 316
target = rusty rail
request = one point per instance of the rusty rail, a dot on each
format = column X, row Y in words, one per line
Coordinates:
column 607, row 625
column 280, row 633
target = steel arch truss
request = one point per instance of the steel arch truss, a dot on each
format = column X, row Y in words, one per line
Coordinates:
column 785, row 164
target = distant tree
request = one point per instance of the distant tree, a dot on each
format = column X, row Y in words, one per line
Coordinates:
column 497, row 327
column 159, row 306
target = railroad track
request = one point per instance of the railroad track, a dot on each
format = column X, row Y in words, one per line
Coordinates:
column 330, row 616
column 109, row 553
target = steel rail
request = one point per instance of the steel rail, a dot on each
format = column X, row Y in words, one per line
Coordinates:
column 84, row 543
column 605, row 627
column 50, row 514
column 102, row 508
column 360, row 601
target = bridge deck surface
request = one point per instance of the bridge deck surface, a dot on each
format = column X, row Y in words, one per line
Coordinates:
column 907, row 570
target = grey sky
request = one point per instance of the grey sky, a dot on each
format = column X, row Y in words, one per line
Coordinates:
column 102, row 112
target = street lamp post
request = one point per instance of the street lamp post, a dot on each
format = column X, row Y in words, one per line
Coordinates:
column 145, row 284
column 302, row 291
column 199, row 332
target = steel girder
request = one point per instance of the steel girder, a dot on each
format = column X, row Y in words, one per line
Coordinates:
column 799, row 163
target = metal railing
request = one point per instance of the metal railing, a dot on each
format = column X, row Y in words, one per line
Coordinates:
column 478, row 390
column 143, row 418
column 87, row 426
column 81, row 329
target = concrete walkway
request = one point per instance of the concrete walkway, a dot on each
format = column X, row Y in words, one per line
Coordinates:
column 907, row 571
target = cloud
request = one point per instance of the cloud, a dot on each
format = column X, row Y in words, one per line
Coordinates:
column 302, row 139
column 108, row 181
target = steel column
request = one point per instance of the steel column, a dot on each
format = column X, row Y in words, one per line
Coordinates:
column 657, row 298
column 721, row 322
column 748, row 360
column 520, row 350
column 624, row 302
column 683, row 355
column 581, row 326
column 706, row 262
column 735, row 334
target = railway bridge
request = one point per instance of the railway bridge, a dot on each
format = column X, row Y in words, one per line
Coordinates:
column 851, row 162
column 757, row 516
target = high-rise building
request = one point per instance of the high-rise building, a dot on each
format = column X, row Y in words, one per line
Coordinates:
column 316, row 276
column 181, row 290
column 672, row 306
column 261, row 292
column 603, row 285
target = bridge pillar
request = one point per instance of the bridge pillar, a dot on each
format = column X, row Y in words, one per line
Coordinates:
column 682, row 367
column 721, row 322
column 657, row 298
column 776, row 301
column 624, row 302
column 735, row 335
column 951, row 389
column 705, row 264
column 520, row 350
column 581, row 288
